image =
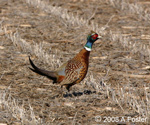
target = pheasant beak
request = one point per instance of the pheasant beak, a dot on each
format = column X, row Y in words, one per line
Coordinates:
column 99, row 37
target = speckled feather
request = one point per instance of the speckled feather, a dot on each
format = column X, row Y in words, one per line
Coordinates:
column 76, row 68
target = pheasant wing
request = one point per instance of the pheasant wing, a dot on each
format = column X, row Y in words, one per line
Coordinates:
column 72, row 72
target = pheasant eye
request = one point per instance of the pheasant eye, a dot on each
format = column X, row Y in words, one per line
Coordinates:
column 95, row 36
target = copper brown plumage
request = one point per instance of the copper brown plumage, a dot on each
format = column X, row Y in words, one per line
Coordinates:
column 73, row 71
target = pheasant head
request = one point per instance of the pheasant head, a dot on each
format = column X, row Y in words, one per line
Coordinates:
column 91, row 38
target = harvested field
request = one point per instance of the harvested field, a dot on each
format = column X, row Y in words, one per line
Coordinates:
column 117, row 85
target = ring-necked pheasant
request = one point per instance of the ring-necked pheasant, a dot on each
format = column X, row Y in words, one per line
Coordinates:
column 74, row 70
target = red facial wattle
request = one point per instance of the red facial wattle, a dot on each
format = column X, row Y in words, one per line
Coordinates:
column 95, row 36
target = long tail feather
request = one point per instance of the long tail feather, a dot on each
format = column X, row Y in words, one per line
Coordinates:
column 50, row 74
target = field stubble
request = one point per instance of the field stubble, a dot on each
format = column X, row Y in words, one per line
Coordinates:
column 52, row 32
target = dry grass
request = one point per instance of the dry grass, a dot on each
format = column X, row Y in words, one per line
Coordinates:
column 133, row 8
column 122, row 89
column 35, row 49
column 69, row 18
column 14, row 109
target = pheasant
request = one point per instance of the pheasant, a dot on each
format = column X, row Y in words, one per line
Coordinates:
column 74, row 70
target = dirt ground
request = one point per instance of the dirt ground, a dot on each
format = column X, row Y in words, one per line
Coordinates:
column 121, row 70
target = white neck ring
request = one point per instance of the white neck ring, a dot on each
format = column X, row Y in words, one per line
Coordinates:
column 88, row 49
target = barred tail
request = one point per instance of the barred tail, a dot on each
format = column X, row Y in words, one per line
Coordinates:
column 50, row 74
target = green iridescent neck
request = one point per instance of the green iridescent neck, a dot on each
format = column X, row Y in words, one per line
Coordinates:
column 88, row 45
